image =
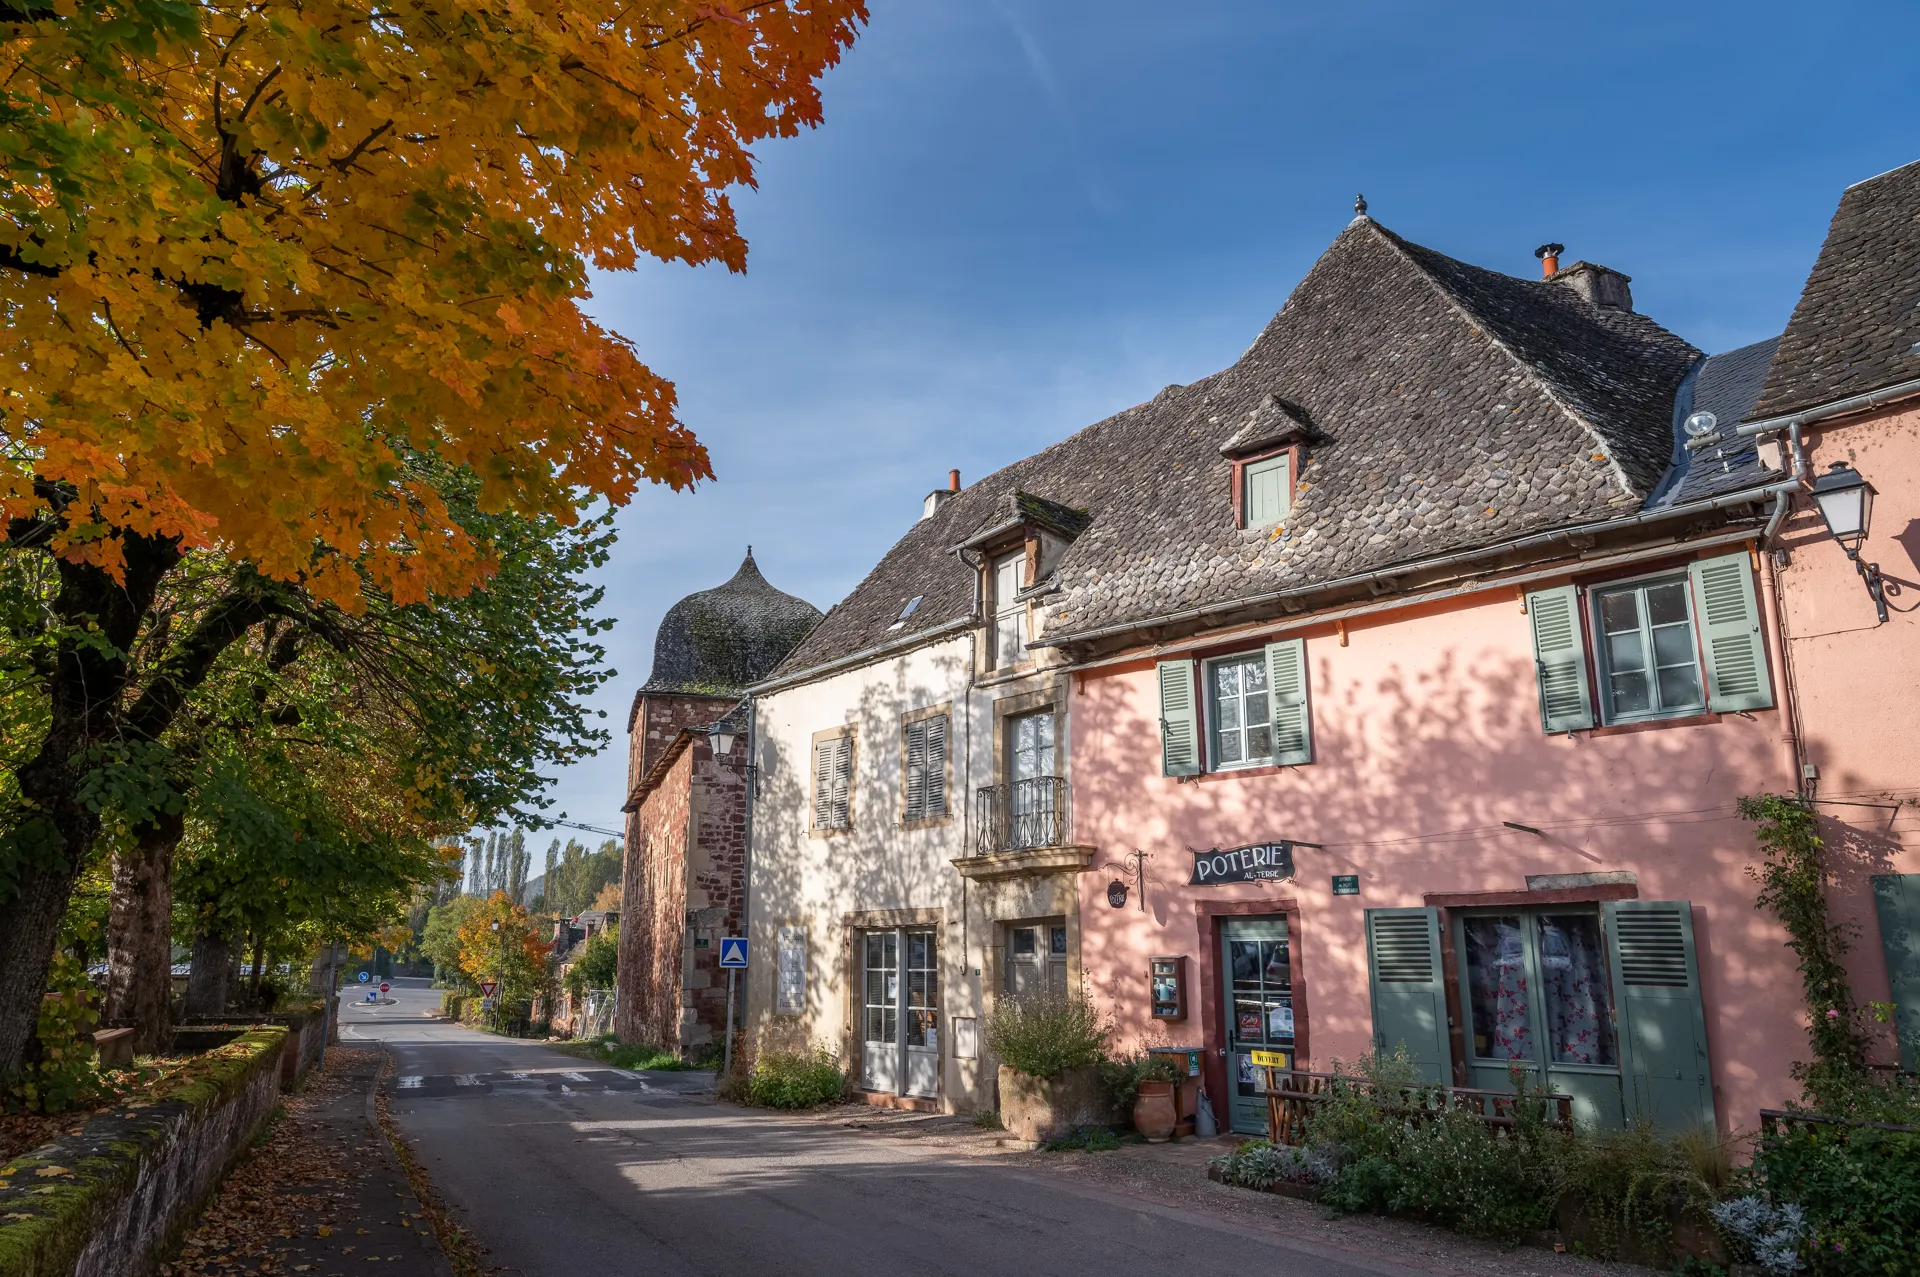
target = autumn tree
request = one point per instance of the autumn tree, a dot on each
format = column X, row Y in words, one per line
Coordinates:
column 499, row 941
column 255, row 257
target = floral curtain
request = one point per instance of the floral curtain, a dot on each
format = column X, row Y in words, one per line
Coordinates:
column 1497, row 989
column 1573, row 970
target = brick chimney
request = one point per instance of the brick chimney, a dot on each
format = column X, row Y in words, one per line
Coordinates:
column 939, row 495
column 1598, row 286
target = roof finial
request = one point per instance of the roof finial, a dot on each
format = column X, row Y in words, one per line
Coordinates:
column 1360, row 205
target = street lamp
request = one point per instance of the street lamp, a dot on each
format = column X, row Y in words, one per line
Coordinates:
column 1845, row 499
column 720, row 737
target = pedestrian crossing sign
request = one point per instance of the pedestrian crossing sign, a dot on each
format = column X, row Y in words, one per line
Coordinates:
column 733, row 952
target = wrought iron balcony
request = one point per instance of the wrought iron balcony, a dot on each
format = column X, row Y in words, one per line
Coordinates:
column 1021, row 815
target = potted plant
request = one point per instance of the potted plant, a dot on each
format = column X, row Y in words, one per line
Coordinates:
column 1049, row 1051
column 1155, row 1110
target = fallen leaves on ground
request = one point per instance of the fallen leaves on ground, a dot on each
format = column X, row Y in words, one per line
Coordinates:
column 293, row 1182
column 24, row 1132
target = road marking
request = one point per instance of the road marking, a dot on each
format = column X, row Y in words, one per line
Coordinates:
column 409, row 1083
column 576, row 1077
column 521, row 1077
column 466, row 1079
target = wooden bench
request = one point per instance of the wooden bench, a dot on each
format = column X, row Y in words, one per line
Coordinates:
column 1293, row 1094
column 114, row 1047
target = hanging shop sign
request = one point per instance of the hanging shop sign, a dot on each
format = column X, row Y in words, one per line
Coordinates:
column 1260, row 862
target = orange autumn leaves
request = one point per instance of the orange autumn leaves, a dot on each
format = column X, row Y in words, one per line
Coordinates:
column 254, row 272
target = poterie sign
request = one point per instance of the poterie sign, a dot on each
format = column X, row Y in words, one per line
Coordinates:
column 1261, row 862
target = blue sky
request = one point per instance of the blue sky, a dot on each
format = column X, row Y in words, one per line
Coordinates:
column 1021, row 217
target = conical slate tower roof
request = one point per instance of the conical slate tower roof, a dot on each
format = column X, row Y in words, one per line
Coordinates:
column 717, row 642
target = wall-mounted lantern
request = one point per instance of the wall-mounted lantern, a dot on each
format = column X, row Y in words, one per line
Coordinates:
column 720, row 737
column 1845, row 499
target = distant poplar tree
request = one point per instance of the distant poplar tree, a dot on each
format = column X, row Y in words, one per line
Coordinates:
column 517, row 872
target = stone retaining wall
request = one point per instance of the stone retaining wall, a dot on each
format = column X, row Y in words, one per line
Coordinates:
column 108, row 1201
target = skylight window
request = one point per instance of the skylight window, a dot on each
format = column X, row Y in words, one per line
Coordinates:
column 913, row 605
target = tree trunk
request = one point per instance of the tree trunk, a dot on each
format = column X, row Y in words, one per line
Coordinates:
column 140, row 935
column 259, row 954
column 207, row 982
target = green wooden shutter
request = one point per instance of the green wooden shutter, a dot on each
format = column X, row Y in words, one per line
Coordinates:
column 1266, row 499
column 1287, row 688
column 1560, row 659
column 1897, row 898
column 1409, row 993
column 1661, row 1024
column 1730, row 633
column 1179, row 721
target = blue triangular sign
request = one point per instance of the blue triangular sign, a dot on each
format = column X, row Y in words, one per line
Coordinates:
column 733, row 951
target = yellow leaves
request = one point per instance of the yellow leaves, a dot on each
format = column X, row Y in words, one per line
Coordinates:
column 243, row 352
column 45, row 1171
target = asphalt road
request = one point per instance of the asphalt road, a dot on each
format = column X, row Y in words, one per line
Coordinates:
column 561, row 1167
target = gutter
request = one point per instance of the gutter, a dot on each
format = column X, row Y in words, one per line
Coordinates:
column 905, row 642
column 1838, row 408
column 1375, row 578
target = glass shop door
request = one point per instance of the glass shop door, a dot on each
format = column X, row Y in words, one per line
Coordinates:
column 880, row 1033
column 1258, row 1001
column 900, row 1033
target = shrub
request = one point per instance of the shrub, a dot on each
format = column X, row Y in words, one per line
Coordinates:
column 60, row 1072
column 1045, row 1037
column 1859, row 1188
column 795, row 1079
column 598, row 964
column 637, row 1055
column 1767, row 1235
column 1094, row 1139
column 1632, row 1183
column 1258, row 1164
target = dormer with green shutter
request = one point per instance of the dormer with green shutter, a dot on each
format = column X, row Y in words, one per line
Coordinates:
column 1264, row 458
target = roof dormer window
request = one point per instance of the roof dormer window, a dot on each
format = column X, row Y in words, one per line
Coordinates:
column 1265, row 490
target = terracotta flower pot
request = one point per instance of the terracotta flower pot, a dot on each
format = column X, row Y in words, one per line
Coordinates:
column 1153, row 1111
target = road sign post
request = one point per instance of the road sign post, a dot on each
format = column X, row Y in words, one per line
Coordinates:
column 487, row 987
column 385, row 987
column 733, row 959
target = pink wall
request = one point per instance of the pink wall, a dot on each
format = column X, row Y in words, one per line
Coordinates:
column 1427, row 737
column 1857, row 682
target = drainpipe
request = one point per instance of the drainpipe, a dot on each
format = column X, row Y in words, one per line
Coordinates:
column 1776, row 604
column 746, row 869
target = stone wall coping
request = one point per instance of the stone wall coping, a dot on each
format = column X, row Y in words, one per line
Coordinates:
column 55, row 1199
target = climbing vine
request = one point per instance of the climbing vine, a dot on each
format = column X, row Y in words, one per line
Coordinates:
column 1792, row 875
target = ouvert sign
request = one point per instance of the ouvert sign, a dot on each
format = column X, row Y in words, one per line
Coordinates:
column 1259, row 862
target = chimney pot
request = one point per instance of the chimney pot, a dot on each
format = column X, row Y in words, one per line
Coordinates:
column 1549, row 255
column 953, row 481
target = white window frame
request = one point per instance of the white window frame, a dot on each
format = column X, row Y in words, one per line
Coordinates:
column 1597, row 648
column 1258, row 658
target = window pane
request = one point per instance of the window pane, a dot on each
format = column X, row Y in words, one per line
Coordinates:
column 1229, row 747
column 1666, row 604
column 917, row 948
column 1259, row 743
column 1620, row 612
column 1497, row 989
column 1226, row 679
column 1679, row 687
column 1058, row 940
column 1253, row 675
column 1574, row 970
column 1256, row 709
column 1245, row 957
column 1630, row 693
column 1229, row 714
column 1023, row 941
column 1273, row 957
column 1673, row 645
column 1624, row 651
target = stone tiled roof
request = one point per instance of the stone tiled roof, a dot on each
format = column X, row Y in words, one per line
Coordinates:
column 1857, row 325
column 1450, row 407
column 717, row 642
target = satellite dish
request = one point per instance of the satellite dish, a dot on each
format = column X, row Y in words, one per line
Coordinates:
column 1701, row 424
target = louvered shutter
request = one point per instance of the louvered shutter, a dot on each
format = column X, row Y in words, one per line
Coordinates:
column 1266, row 494
column 1560, row 659
column 1179, row 720
column 823, row 785
column 1664, row 1072
column 1409, row 993
column 1287, row 688
column 917, row 770
column 1730, row 633
column 1896, row 897
column 936, row 792
column 842, row 790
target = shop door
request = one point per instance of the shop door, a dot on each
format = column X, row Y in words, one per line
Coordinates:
column 880, row 1045
column 1258, row 1001
column 922, row 1018
column 900, row 1046
column 1538, row 997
